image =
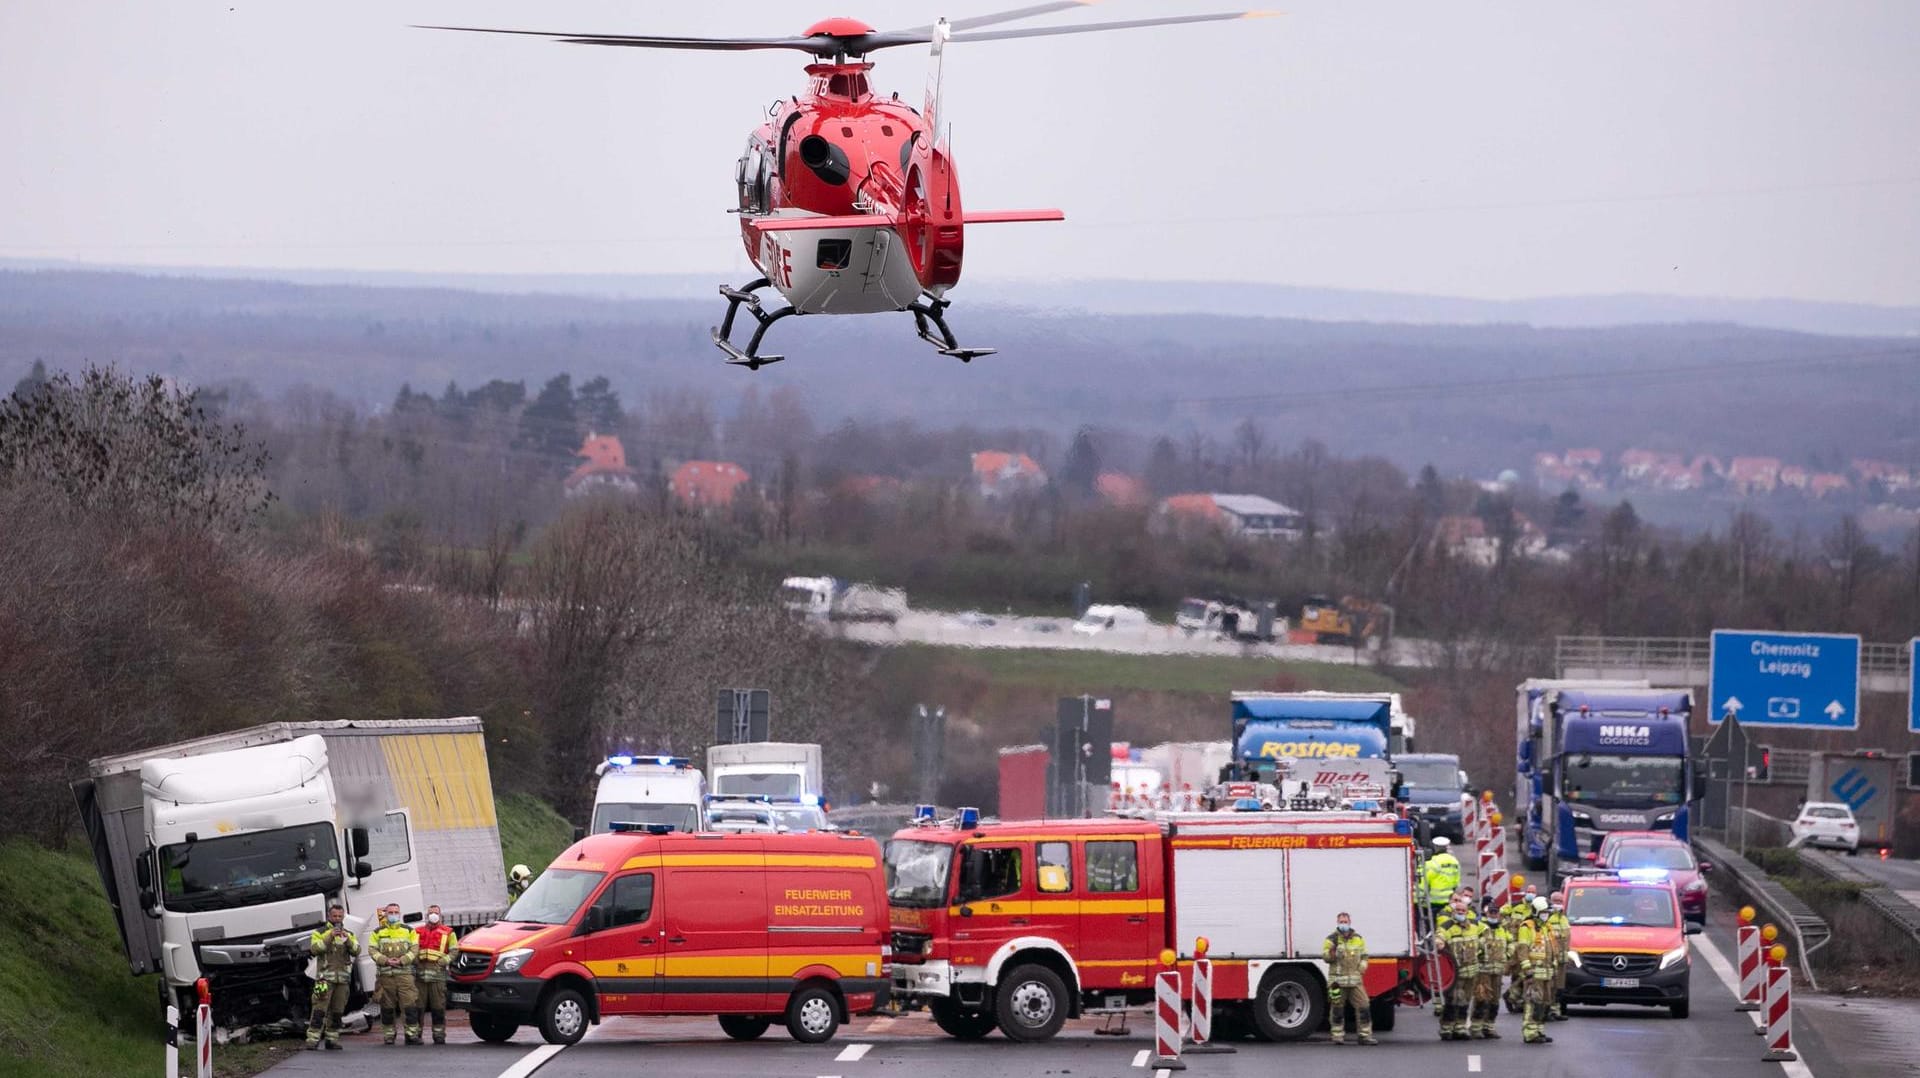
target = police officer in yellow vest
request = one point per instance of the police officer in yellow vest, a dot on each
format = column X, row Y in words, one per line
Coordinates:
column 334, row 949
column 394, row 948
column 1441, row 879
column 1538, row 956
column 1346, row 955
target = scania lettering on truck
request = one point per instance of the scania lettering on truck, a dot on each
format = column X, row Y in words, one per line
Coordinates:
column 1019, row 926
column 753, row 928
column 219, row 855
column 1594, row 760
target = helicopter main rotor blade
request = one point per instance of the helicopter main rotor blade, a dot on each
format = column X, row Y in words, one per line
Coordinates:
column 818, row 46
column 1035, row 11
column 1096, row 27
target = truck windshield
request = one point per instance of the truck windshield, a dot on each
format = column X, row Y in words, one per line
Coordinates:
column 1641, row 907
column 753, row 783
column 608, row 813
column 1623, row 780
column 246, row 870
column 1193, row 610
column 1430, row 774
column 917, row 872
column 555, row 896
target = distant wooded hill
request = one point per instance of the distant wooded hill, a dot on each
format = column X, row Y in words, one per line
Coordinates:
column 1470, row 399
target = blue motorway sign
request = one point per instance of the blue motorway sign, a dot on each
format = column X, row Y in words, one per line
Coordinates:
column 1786, row 679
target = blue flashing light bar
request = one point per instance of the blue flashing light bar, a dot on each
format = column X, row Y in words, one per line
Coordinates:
column 627, row 759
column 1643, row 875
column 969, row 817
column 923, row 813
column 620, row 761
column 1403, row 826
column 627, row 826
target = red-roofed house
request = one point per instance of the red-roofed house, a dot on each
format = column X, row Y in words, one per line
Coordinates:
column 1001, row 474
column 1647, row 464
column 1825, row 483
column 1795, row 476
column 1122, row 490
column 1193, row 507
column 605, row 468
column 703, row 484
column 1891, row 476
column 1467, row 537
column 1748, row 474
column 1585, row 458
column 1241, row 514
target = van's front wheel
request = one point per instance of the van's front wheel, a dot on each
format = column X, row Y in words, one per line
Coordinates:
column 813, row 1015
column 563, row 1016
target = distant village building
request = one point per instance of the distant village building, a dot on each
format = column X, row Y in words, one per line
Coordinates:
column 1890, row 476
column 604, row 468
column 1002, row 475
column 1826, row 483
column 1795, row 476
column 1122, row 491
column 706, row 484
column 1750, row 475
column 1240, row 514
column 870, row 487
column 1467, row 538
column 1551, row 470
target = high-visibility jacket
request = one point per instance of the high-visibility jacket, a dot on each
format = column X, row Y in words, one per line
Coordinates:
column 1443, row 877
column 333, row 951
column 437, row 944
column 1346, row 959
column 394, row 941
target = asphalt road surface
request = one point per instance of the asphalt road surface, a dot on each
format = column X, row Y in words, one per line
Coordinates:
column 1898, row 873
column 1715, row 1042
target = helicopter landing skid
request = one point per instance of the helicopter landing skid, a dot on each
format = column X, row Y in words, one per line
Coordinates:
column 723, row 334
column 931, row 315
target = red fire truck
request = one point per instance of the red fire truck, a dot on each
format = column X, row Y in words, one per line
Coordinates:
column 1020, row 926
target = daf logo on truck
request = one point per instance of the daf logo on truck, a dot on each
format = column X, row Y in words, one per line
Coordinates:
column 1626, row 735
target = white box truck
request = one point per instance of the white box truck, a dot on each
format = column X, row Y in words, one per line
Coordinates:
column 781, row 770
column 219, row 855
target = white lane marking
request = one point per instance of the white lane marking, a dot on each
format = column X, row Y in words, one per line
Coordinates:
column 1724, row 970
column 1140, row 1058
column 1473, row 1064
column 1161, row 1073
column 532, row 1061
column 852, row 1053
column 881, row 1025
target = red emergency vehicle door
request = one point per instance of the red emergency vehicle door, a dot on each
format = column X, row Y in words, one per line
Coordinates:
column 715, row 951
column 994, row 900
column 623, row 948
column 1121, row 927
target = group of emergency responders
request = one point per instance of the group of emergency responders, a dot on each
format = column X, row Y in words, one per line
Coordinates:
column 1523, row 943
column 410, row 974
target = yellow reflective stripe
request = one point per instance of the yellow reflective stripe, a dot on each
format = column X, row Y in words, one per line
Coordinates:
column 1101, row 906
column 635, row 966
column 801, row 860
column 744, row 860
column 1118, row 836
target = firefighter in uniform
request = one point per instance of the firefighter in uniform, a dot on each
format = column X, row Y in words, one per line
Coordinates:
column 334, row 949
column 394, row 948
column 1537, row 958
column 1346, row 955
column 519, row 878
column 437, row 944
column 1517, row 913
column 1562, row 940
column 1461, row 939
column 1496, row 951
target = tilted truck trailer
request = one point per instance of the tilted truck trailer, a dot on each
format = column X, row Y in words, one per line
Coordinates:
column 1866, row 781
column 1330, row 738
column 219, row 855
column 1018, row 926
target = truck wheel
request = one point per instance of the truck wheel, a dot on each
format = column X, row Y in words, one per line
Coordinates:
column 563, row 1016
column 1290, row 1006
column 813, row 1014
column 960, row 1023
column 1383, row 1014
column 744, row 1027
column 1031, row 1003
column 491, row 1027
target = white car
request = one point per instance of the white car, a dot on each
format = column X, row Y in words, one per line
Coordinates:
column 1827, row 823
column 1101, row 618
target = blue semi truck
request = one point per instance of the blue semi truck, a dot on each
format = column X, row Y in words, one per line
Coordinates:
column 1596, row 757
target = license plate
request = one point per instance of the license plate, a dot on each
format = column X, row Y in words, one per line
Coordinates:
column 459, row 997
column 1619, row 982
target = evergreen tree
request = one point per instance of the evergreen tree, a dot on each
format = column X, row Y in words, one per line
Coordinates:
column 551, row 424
column 598, row 406
column 28, row 386
column 1082, row 466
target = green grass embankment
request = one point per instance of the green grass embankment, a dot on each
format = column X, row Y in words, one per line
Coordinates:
column 531, row 833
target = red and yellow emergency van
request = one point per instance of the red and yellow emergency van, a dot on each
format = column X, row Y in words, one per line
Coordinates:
column 749, row 927
column 1020, row 926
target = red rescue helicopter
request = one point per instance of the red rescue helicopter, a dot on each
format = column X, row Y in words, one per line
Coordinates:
column 848, row 201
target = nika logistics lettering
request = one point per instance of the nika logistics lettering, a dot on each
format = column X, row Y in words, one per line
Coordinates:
column 1766, row 653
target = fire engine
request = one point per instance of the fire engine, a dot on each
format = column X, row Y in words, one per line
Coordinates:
column 1021, row 925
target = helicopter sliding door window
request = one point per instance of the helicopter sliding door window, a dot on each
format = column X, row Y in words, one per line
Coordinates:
column 834, row 254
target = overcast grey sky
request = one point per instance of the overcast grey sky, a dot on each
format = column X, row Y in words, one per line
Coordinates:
column 1733, row 148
